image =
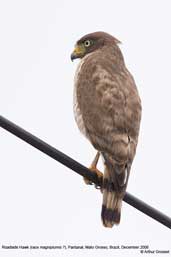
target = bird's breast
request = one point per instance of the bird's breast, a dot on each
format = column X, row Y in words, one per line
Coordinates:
column 77, row 112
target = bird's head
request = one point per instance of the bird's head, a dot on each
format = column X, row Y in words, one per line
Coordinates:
column 92, row 42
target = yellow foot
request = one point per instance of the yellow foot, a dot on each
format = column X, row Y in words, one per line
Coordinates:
column 87, row 181
column 94, row 169
column 99, row 175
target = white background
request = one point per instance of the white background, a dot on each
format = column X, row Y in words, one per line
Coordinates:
column 41, row 201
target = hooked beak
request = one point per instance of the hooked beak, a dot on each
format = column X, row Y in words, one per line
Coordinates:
column 78, row 52
column 73, row 56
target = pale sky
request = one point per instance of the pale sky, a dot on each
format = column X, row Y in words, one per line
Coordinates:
column 43, row 202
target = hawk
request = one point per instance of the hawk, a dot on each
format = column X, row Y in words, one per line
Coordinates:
column 107, row 109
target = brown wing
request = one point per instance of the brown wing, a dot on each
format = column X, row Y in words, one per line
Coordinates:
column 111, row 109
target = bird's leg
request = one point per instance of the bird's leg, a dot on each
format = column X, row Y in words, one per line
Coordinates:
column 94, row 169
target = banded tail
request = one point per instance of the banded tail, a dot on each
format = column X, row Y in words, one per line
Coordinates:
column 114, row 187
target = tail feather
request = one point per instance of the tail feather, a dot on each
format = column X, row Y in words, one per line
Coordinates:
column 113, row 193
column 111, row 208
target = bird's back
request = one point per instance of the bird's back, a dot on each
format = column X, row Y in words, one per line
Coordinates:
column 106, row 97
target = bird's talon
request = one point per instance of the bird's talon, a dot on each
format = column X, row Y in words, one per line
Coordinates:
column 88, row 182
column 97, row 187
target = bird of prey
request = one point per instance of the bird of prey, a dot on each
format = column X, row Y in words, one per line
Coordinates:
column 107, row 110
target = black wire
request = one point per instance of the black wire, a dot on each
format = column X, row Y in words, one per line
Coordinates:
column 80, row 169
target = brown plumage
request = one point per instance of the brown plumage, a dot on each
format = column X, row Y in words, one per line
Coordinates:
column 107, row 110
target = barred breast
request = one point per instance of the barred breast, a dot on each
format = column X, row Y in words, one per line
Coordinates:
column 77, row 112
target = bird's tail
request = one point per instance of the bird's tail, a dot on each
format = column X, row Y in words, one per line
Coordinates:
column 113, row 193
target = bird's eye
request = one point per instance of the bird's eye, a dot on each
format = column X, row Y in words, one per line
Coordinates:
column 87, row 43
